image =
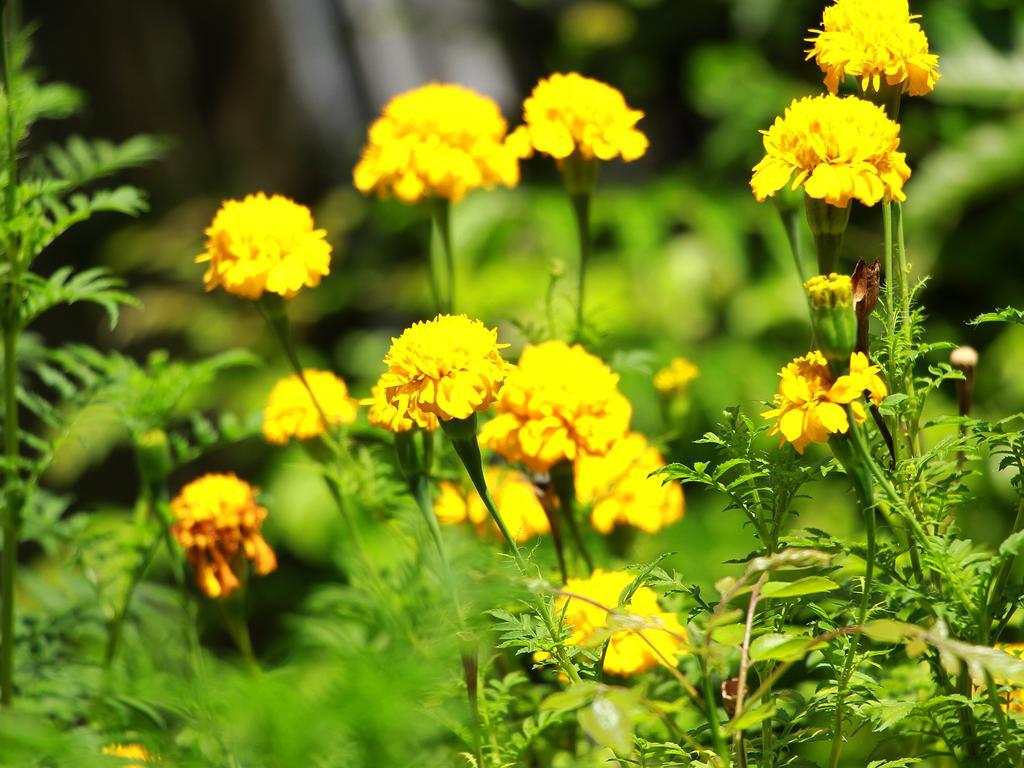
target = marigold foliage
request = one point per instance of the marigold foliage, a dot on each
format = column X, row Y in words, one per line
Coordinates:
column 674, row 378
column 558, row 403
column 217, row 521
column 291, row 412
column 810, row 403
column 640, row 635
column 832, row 290
column 439, row 140
column 837, row 149
column 620, row 490
column 513, row 493
column 874, row 41
column 264, row 244
column 446, row 368
column 569, row 113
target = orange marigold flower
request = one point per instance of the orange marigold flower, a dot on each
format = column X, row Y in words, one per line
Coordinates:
column 810, row 403
column 291, row 412
column 218, row 522
column 837, row 149
column 514, row 495
column 438, row 140
column 621, row 491
column 558, row 403
column 569, row 113
column 264, row 244
column 446, row 368
column 874, row 41
column 640, row 634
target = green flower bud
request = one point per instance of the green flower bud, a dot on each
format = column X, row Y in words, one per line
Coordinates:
column 580, row 174
column 832, row 315
column 827, row 223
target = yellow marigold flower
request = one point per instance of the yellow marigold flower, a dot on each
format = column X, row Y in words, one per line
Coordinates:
column 383, row 414
column 291, row 412
column 809, row 404
column 642, row 635
column 830, row 290
column 446, row 368
column 1014, row 698
column 438, row 140
column 569, row 113
column 674, row 378
column 840, row 149
column 264, row 244
column 129, row 752
column 217, row 523
column 620, row 490
column 873, row 40
column 513, row 494
column 558, row 402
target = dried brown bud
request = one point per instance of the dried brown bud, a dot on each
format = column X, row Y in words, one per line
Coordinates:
column 865, row 288
column 965, row 360
column 730, row 689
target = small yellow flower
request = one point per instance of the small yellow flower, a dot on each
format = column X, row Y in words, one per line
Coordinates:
column 217, row 523
column 513, row 494
column 558, row 402
column 674, row 378
column 620, row 490
column 446, row 368
column 641, row 635
column 291, row 412
column 874, row 41
column 839, row 149
column 264, row 244
column 809, row 404
column 569, row 113
column 830, row 290
column 439, row 140
column 129, row 752
column 1014, row 698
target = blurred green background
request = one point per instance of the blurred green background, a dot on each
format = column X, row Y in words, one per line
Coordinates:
column 276, row 95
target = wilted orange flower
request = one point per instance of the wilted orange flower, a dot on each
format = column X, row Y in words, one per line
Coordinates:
column 640, row 634
column 438, row 140
column 620, row 490
column 874, row 41
column 837, row 149
column 217, row 523
column 513, row 494
column 446, row 368
column 264, row 244
column 291, row 412
column 569, row 113
column 810, row 404
column 558, row 402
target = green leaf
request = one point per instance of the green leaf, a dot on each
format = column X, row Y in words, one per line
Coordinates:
column 752, row 717
column 806, row 586
column 609, row 720
column 780, row 647
column 890, row 631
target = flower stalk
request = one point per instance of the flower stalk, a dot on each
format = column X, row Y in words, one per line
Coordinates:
column 563, row 481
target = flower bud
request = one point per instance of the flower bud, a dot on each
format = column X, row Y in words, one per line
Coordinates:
column 832, row 315
column 579, row 173
column 965, row 360
column 865, row 298
column 827, row 223
column 154, row 457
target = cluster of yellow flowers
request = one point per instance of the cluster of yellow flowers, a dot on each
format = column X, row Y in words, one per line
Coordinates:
column 129, row 752
column 264, row 244
column 676, row 377
column 640, row 634
column 292, row 413
column 515, row 496
column 559, row 402
column 809, row 404
column 839, row 149
column 620, row 490
column 438, row 140
column 874, row 41
column 217, row 521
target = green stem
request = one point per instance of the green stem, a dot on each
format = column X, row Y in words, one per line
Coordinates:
column 995, row 594
column 440, row 214
column 565, row 487
column 581, row 211
column 712, row 711
column 1002, row 721
column 11, row 517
